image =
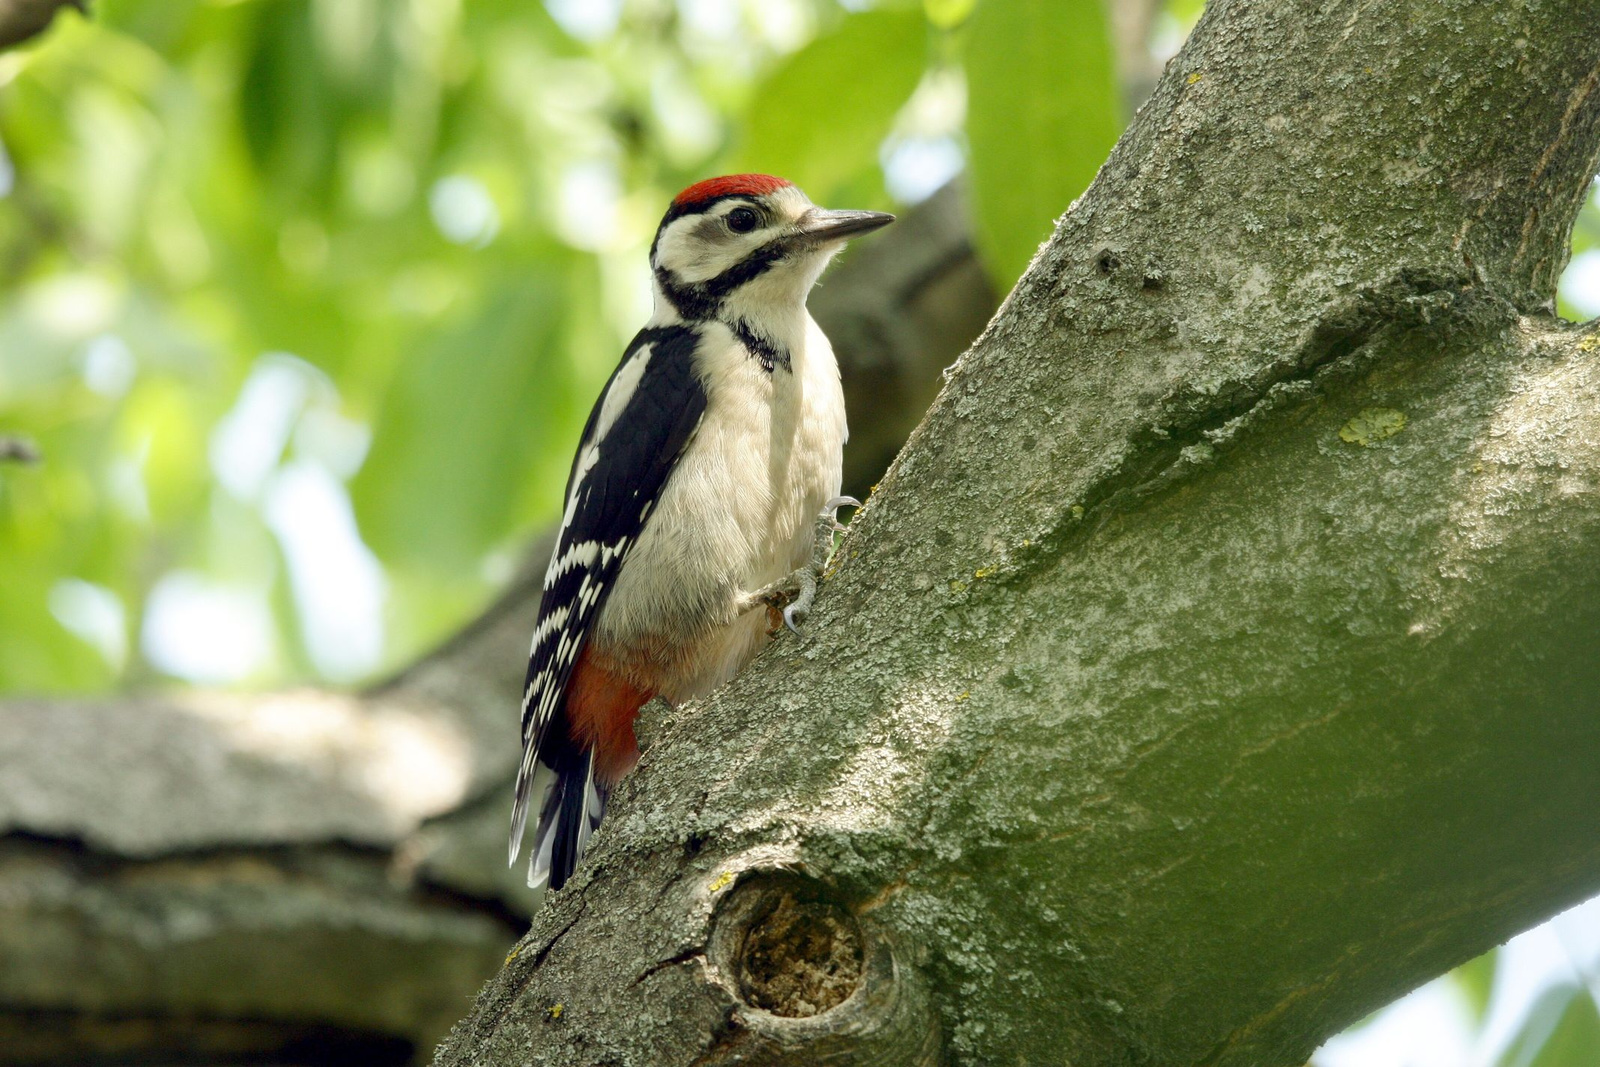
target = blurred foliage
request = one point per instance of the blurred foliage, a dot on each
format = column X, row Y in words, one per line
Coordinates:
column 1562, row 1030
column 1033, row 152
column 304, row 301
column 1475, row 981
column 860, row 75
column 1584, row 273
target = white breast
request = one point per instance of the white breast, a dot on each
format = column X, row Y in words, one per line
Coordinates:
column 736, row 513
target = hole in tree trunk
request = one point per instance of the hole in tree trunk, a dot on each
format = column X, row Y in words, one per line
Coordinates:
column 795, row 952
column 801, row 958
column 812, row 982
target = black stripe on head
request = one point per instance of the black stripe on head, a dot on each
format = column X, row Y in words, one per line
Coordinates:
column 702, row 300
column 690, row 300
column 700, row 207
column 697, row 207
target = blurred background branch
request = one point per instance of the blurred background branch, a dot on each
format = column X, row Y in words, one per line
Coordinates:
column 21, row 20
column 17, row 450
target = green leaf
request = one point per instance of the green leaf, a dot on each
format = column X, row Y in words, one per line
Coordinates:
column 1475, row 980
column 947, row 13
column 1575, row 1042
column 1561, row 1030
column 462, row 428
column 819, row 117
column 1187, row 12
column 1042, row 112
column 287, row 108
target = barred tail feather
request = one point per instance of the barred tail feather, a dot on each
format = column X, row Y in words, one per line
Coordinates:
column 533, row 779
column 571, row 812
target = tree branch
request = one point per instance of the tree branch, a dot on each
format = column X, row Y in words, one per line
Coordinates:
column 17, row 450
column 1219, row 659
column 253, row 872
column 22, row 20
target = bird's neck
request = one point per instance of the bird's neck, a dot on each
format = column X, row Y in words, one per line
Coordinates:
column 774, row 330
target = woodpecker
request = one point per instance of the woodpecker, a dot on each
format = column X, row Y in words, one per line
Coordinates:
column 704, row 485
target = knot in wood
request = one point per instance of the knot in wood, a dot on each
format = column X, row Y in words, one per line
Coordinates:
column 801, row 956
column 812, row 980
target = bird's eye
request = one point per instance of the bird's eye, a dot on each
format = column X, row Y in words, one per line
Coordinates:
column 742, row 220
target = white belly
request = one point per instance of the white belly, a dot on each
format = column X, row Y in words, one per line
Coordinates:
column 736, row 513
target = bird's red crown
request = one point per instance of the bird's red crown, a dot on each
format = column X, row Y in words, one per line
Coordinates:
column 729, row 185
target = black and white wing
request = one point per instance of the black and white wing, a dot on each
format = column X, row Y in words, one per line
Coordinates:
column 639, row 427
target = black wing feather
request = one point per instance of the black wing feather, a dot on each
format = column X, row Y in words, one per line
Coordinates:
column 608, row 505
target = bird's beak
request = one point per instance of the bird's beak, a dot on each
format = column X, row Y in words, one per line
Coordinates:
column 819, row 226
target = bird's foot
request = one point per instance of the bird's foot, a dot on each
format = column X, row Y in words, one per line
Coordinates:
column 789, row 598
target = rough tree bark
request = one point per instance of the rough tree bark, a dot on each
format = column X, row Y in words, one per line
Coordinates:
column 315, row 877
column 1222, row 655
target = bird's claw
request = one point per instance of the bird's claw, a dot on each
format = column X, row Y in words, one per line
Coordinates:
column 829, row 515
column 795, row 592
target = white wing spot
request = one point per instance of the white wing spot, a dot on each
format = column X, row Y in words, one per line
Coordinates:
column 547, row 626
column 623, row 385
column 582, row 554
